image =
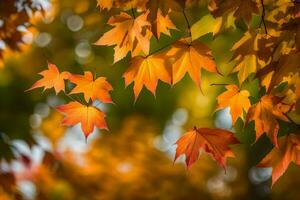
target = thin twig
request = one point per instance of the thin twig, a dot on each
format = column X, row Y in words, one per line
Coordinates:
column 188, row 23
column 219, row 84
column 73, row 99
column 161, row 48
column 263, row 16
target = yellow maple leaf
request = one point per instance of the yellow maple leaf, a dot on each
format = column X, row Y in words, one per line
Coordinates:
column 252, row 52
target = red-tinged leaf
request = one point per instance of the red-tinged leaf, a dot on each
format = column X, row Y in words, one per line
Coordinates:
column 279, row 158
column 88, row 116
column 52, row 78
column 91, row 89
column 214, row 141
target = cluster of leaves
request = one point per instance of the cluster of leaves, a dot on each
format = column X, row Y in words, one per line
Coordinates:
column 268, row 52
column 77, row 110
column 15, row 17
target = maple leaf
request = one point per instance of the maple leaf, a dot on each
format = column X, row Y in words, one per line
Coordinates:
column 214, row 141
column 164, row 6
column 280, row 158
column 123, row 4
column 91, row 89
column 293, row 80
column 129, row 35
column 158, row 16
column 105, row 4
column 287, row 64
column 88, row 116
column 190, row 58
column 252, row 52
column 162, row 24
column 146, row 71
column 52, row 78
column 293, row 25
column 291, row 93
column 236, row 100
column 246, row 66
column 241, row 8
column 212, row 25
column 265, row 114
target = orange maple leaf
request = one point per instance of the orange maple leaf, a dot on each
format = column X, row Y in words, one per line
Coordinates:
column 161, row 24
column 105, row 4
column 88, row 116
column 280, row 158
column 236, row 100
column 146, row 71
column 128, row 34
column 91, row 89
column 214, row 141
column 51, row 79
column 190, row 58
column 265, row 114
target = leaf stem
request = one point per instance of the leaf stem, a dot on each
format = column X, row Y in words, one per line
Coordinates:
column 132, row 11
column 73, row 99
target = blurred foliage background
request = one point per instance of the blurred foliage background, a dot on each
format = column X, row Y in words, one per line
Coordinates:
column 42, row 160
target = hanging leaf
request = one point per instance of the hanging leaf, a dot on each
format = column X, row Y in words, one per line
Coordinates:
column 146, row 71
column 129, row 35
column 214, row 141
column 91, row 89
column 190, row 57
column 238, row 101
column 279, row 158
column 87, row 116
column 52, row 78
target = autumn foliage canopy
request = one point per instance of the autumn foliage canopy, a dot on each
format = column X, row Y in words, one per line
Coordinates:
column 266, row 57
